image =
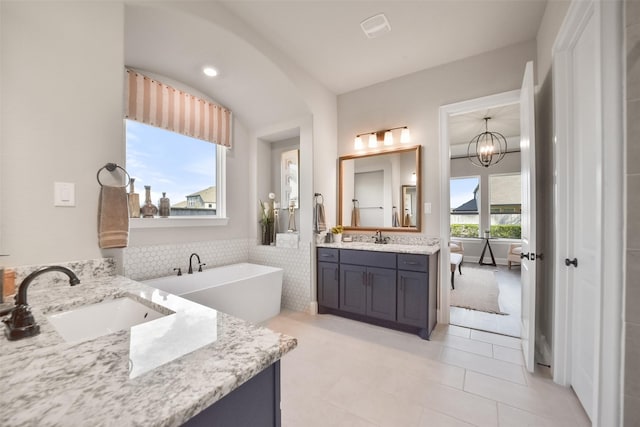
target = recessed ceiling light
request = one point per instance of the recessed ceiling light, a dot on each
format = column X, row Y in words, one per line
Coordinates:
column 210, row 71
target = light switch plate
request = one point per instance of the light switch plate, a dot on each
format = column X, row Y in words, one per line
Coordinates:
column 64, row 194
column 427, row 208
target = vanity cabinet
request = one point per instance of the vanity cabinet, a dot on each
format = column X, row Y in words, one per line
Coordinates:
column 384, row 288
column 368, row 290
column 328, row 271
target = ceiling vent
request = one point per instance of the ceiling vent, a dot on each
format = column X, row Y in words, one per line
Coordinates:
column 376, row 26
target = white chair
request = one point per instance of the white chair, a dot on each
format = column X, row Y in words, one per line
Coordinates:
column 456, row 249
column 515, row 249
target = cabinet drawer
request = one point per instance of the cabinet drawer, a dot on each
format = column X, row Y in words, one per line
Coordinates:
column 368, row 258
column 413, row 262
column 328, row 255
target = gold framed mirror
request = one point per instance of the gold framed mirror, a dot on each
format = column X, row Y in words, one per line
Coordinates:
column 375, row 189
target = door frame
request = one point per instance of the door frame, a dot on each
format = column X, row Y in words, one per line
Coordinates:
column 608, row 369
column 447, row 111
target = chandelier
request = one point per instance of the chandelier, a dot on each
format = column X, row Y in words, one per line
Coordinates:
column 487, row 148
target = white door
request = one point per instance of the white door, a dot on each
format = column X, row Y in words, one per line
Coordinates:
column 584, row 202
column 528, row 217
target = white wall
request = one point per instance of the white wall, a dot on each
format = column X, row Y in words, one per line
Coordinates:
column 61, row 112
column 414, row 100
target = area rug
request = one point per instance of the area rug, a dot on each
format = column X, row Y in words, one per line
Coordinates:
column 477, row 290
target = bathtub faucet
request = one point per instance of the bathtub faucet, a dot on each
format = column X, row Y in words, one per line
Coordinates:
column 199, row 263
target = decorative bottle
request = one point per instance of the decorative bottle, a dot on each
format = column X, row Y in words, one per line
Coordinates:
column 149, row 209
column 134, row 201
column 165, row 206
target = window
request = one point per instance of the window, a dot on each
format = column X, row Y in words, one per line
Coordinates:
column 505, row 202
column 465, row 200
column 184, row 168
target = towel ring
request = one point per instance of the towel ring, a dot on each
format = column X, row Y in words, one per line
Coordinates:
column 112, row 167
column 318, row 195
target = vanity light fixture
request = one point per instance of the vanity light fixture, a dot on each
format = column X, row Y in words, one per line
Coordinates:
column 373, row 140
column 358, row 145
column 210, row 71
column 405, row 136
column 413, row 177
column 487, row 148
column 386, row 136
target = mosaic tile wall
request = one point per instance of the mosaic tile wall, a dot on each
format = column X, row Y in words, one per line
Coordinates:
column 148, row 262
column 296, row 286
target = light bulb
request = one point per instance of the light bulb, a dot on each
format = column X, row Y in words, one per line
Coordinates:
column 388, row 138
column 405, row 136
column 373, row 141
column 358, row 143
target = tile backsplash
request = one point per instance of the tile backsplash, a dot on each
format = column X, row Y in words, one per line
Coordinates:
column 148, row 262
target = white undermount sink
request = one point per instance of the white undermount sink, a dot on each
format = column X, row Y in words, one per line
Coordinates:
column 95, row 320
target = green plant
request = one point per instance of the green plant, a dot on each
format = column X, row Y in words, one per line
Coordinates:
column 465, row 230
column 506, row 231
column 265, row 212
column 337, row 229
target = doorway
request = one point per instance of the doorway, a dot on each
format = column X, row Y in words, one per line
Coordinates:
column 485, row 219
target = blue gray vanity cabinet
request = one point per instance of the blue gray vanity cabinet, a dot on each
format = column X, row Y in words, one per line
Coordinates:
column 328, row 289
column 368, row 290
column 417, row 291
column 255, row 403
column 368, row 283
column 384, row 288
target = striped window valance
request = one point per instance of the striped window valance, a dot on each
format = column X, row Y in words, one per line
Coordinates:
column 157, row 104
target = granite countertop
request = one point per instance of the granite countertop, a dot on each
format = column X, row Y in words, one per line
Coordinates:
column 389, row 247
column 160, row 373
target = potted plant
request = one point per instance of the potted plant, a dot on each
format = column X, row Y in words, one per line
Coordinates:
column 337, row 233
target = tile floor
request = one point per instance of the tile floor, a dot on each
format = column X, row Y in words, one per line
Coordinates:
column 509, row 300
column 347, row 373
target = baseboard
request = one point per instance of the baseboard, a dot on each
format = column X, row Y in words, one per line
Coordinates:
column 313, row 308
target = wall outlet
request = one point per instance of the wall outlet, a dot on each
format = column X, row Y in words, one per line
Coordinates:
column 427, row 208
column 64, row 194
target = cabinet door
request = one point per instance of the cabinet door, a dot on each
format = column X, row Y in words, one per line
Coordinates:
column 381, row 293
column 328, row 290
column 413, row 298
column 353, row 289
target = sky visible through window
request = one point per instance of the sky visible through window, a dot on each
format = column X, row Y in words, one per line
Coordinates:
column 169, row 162
column 461, row 190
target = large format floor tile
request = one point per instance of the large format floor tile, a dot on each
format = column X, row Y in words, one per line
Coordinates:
column 347, row 373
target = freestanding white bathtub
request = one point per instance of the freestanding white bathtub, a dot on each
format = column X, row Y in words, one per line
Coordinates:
column 249, row 291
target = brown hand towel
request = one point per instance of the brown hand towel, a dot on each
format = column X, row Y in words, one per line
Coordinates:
column 319, row 222
column 113, row 217
column 355, row 217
